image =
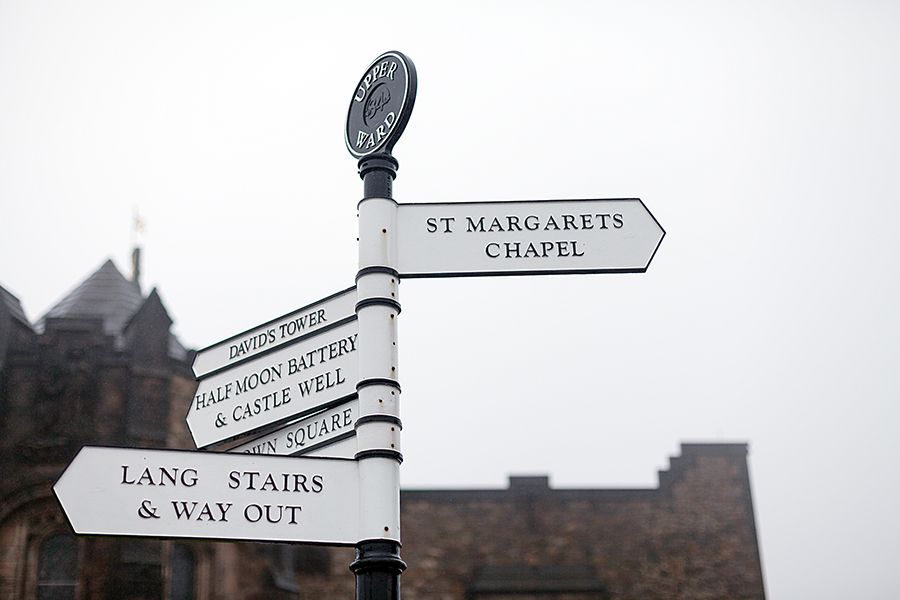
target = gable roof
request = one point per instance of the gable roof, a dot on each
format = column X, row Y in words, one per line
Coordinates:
column 13, row 305
column 10, row 310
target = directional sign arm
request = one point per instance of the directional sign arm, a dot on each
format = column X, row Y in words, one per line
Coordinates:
column 294, row 380
column 544, row 237
column 179, row 494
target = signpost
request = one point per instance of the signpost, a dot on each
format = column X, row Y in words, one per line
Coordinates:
column 181, row 494
column 326, row 374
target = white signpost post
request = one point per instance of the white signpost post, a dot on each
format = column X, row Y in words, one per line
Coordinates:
column 326, row 374
column 183, row 494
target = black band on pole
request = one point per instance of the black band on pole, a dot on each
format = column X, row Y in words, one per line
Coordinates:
column 378, row 419
column 378, row 302
column 382, row 270
column 379, row 453
column 377, row 381
column 377, row 567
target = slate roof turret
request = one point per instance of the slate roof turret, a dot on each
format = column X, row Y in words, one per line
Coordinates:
column 110, row 296
column 106, row 294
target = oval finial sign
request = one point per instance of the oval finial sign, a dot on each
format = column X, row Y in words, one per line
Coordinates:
column 381, row 105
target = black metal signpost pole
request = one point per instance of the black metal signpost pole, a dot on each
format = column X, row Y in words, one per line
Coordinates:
column 378, row 172
column 378, row 567
column 381, row 105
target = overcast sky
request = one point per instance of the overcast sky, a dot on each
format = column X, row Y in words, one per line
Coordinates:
column 763, row 136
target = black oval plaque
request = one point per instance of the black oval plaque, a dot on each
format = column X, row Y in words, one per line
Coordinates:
column 381, row 105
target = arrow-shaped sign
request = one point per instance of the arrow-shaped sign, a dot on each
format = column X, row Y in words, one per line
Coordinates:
column 290, row 328
column 311, row 434
column 273, row 387
column 179, row 494
column 541, row 237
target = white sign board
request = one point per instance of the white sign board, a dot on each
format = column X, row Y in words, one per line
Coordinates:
column 301, row 323
column 346, row 448
column 178, row 494
column 525, row 238
column 310, row 434
column 272, row 388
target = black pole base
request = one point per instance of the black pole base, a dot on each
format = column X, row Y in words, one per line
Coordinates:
column 377, row 568
column 378, row 172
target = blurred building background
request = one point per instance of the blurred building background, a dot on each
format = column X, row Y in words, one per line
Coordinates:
column 103, row 368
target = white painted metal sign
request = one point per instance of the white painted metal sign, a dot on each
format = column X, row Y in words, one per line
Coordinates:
column 525, row 238
column 277, row 332
column 316, row 432
column 178, row 494
column 272, row 388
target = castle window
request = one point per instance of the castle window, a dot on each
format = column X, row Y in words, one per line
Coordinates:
column 139, row 572
column 148, row 410
column 181, row 584
column 56, row 568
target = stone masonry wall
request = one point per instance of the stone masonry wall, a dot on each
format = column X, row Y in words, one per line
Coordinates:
column 693, row 537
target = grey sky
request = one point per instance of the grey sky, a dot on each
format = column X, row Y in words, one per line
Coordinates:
column 764, row 137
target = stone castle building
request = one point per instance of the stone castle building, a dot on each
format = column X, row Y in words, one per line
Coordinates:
column 103, row 368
